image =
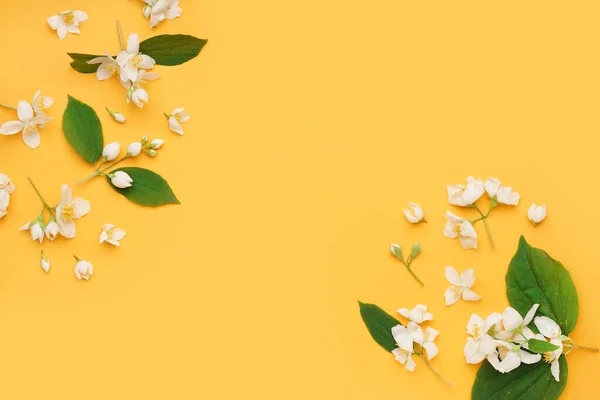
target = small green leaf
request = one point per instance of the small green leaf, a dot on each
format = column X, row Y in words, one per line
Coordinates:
column 80, row 64
column 83, row 130
column 534, row 277
column 148, row 189
column 541, row 346
column 528, row 382
column 172, row 49
column 380, row 324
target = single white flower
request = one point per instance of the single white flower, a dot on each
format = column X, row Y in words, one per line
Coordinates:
column 83, row 269
column 480, row 345
column 27, row 124
column 515, row 326
column 68, row 210
column 464, row 196
column 430, row 347
column 52, row 229
column 136, row 91
column 504, row 194
column 548, row 327
column 36, row 230
column 67, row 21
column 176, row 118
column 45, row 262
column 131, row 60
column 4, row 201
column 118, row 117
column 111, row 234
column 108, row 67
column 512, row 356
column 414, row 214
column 417, row 315
column 6, row 183
column 41, row 103
column 134, row 149
column 461, row 286
column 111, row 151
column 156, row 144
column 457, row 227
column 121, row 179
column 174, row 10
column 536, row 213
column 159, row 10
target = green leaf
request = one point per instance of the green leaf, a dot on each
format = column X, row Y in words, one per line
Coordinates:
column 528, row 382
column 534, row 277
column 83, row 130
column 172, row 49
column 380, row 324
column 541, row 346
column 80, row 64
column 148, row 188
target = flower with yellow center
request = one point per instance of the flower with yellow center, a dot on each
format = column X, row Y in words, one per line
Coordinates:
column 67, row 22
column 480, row 345
column 457, row 227
column 41, row 103
column 465, row 195
column 108, row 68
column 68, row 210
column 515, row 326
column 111, row 234
column 136, row 91
column 131, row 60
column 513, row 356
column 461, row 286
column 176, row 118
column 27, row 124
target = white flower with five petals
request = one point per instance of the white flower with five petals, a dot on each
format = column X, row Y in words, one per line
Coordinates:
column 515, row 326
column 480, row 345
column 176, row 118
column 136, row 90
column 417, row 315
column 131, row 60
column 111, row 234
column 414, row 214
column 465, row 195
column 68, row 210
column 457, row 227
column 67, row 22
column 512, row 356
column 108, row 67
column 27, row 124
column 504, row 194
column 159, row 10
column 461, row 286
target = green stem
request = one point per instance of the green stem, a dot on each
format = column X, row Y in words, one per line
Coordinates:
column 77, row 258
column 407, row 265
column 586, row 348
column 433, row 369
column 487, row 227
column 100, row 171
column 40, row 196
column 120, row 35
column 7, row 106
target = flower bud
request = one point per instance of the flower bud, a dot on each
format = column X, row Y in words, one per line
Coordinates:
column 35, row 229
column 156, row 143
column 416, row 249
column 45, row 262
column 111, row 151
column 397, row 251
column 134, row 149
column 118, row 117
column 121, row 179
column 536, row 213
column 151, row 152
column 144, row 140
column 83, row 270
column 414, row 214
column 52, row 229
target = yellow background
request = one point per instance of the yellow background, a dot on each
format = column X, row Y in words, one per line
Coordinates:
column 313, row 124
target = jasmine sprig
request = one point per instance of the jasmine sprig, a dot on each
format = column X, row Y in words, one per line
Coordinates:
column 396, row 251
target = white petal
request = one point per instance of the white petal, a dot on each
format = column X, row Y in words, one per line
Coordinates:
column 547, row 327
column 62, row 31
column 103, row 73
column 133, row 43
column 73, row 29
column 451, row 296
column 66, row 194
column 492, row 185
column 431, row 334
column 11, row 127
column 103, row 236
column 511, row 319
column 469, row 295
column 467, row 230
column 468, row 242
column 449, row 230
column 467, row 278
column 487, row 345
column 54, row 21
column 432, row 349
column 82, row 207
column 555, row 369
column 402, row 337
column 400, row 356
column 405, row 312
column 529, row 358
column 25, row 111
column 410, row 364
column 118, row 234
column 474, row 320
column 31, row 138
column 184, row 117
column 175, row 126
column 410, row 217
column 475, row 357
column 530, row 314
column 147, row 62
column 510, row 362
column 177, row 111
column 452, row 276
column 80, row 16
column 507, row 196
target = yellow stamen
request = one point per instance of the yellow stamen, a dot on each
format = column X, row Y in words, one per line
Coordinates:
column 548, row 358
column 68, row 212
column 136, row 60
column 457, row 229
column 476, row 328
column 69, row 18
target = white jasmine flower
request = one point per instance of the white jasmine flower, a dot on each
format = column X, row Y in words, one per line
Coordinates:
column 176, row 118
column 68, row 210
column 52, row 229
column 548, row 327
column 414, row 214
column 67, row 21
column 83, row 269
column 480, row 345
column 159, row 10
column 108, row 68
column 536, row 213
column 118, row 117
column 134, row 149
column 111, row 151
column 464, row 196
column 131, row 60
column 513, row 355
column 417, row 315
column 136, row 91
column 515, row 326
column 45, row 262
column 36, row 230
column 504, row 194
column 174, row 10
column 27, row 124
column 430, row 347
column 6, row 183
column 156, row 144
column 111, row 234
column 461, row 286
column 41, row 103
column 457, row 227
column 4, row 201
column 121, row 179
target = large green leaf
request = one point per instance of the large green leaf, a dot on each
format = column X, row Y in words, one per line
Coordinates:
column 528, row 382
column 148, row 188
column 80, row 64
column 380, row 324
column 83, row 130
column 535, row 277
column 172, row 49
